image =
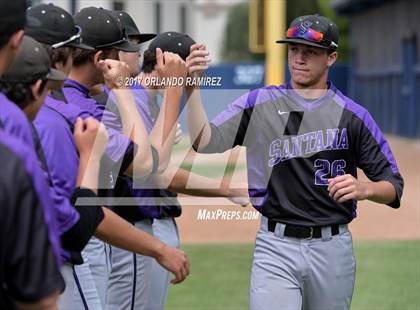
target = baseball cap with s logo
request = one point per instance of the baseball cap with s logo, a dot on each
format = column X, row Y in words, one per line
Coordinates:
column 314, row 30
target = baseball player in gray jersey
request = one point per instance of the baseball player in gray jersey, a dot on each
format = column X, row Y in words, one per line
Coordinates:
column 304, row 141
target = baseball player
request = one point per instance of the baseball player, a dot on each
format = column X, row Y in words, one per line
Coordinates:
column 304, row 141
column 25, row 83
column 83, row 75
column 147, row 287
column 54, row 123
column 29, row 246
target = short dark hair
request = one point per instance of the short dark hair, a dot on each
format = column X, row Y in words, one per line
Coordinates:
column 60, row 54
column 20, row 93
column 82, row 56
column 4, row 38
column 149, row 61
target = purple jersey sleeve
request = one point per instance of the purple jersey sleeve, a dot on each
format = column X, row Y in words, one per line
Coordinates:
column 63, row 162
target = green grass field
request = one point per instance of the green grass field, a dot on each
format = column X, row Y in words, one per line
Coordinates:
column 387, row 277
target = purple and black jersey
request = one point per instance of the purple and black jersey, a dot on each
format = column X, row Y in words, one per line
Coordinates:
column 295, row 145
column 142, row 191
column 29, row 247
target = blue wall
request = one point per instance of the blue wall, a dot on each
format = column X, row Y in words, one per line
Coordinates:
column 391, row 93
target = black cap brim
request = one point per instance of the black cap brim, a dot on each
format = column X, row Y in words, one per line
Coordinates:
column 56, row 75
column 143, row 37
column 81, row 46
column 302, row 41
column 127, row 46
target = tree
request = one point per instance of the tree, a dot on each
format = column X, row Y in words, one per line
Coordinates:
column 235, row 43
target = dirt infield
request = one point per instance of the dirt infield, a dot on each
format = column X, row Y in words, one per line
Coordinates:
column 374, row 221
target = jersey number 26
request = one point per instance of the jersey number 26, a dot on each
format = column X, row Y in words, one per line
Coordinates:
column 325, row 169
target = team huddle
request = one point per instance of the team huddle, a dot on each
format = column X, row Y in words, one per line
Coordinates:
column 88, row 191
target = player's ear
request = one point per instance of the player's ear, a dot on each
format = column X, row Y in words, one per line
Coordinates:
column 16, row 39
column 332, row 58
column 97, row 57
column 36, row 89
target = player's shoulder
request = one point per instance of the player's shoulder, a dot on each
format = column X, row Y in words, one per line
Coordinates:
column 70, row 111
column 11, row 113
column 78, row 95
column 263, row 95
column 349, row 104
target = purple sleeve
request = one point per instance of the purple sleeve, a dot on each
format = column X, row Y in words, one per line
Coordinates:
column 63, row 163
column 118, row 142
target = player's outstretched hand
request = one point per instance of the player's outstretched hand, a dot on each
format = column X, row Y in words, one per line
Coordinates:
column 346, row 187
column 198, row 60
column 176, row 261
column 115, row 72
column 170, row 65
column 90, row 137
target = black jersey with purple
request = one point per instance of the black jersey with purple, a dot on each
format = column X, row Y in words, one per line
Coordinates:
column 294, row 146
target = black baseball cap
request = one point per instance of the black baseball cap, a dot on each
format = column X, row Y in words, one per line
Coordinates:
column 131, row 28
column 32, row 64
column 13, row 16
column 57, row 27
column 102, row 29
column 174, row 42
column 314, row 30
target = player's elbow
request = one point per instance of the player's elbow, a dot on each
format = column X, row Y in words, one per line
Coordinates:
column 143, row 164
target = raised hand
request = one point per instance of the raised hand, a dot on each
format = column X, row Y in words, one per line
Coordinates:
column 170, row 65
column 198, row 60
column 115, row 72
column 89, row 134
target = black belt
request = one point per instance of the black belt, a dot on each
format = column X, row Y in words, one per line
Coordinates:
column 303, row 232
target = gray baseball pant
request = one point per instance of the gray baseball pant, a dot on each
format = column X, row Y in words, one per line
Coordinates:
column 294, row 274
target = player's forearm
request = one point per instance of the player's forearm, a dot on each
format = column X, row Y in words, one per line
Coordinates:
column 88, row 172
column 203, row 186
column 163, row 132
column 134, row 128
column 380, row 192
column 198, row 123
column 120, row 233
